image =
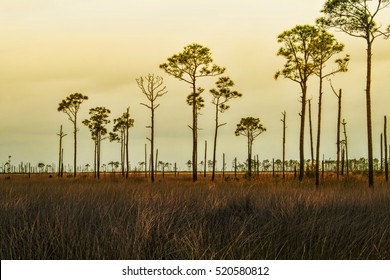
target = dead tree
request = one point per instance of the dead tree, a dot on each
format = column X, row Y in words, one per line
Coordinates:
column 284, row 143
column 339, row 96
column 60, row 155
column 345, row 142
column 152, row 87
column 311, row 137
column 381, row 160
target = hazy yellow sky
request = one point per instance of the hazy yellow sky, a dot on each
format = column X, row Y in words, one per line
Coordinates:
column 51, row 48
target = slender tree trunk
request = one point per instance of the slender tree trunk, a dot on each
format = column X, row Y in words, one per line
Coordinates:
column 381, row 160
column 346, row 146
column 156, row 163
column 302, row 135
column 338, row 133
column 205, row 159
column 98, row 156
column 215, row 142
column 152, row 144
column 284, row 143
column 123, row 152
column 75, row 146
column 273, row 167
column 60, row 158
column 249, row 158
column 127, row 142
column 194, row 134
column 311, row 138
column 368, row 107
column 319, row 133
column 95, row 160
column 223, row 166
column 146, row 163
column 342, row 161
column 62, row 163
column 385, row 138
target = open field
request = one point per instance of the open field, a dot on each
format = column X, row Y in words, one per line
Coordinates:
column 266, row 218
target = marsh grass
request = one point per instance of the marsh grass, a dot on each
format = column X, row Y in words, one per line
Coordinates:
column 266, row 218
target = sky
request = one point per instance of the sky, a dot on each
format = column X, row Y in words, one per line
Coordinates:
column 52, row 48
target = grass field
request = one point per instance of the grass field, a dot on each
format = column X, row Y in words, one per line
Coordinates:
column 265, row 218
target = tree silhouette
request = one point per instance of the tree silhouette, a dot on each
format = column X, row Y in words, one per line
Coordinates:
column 121, row 134
column 283, row 120
column 61, row 134
column 152, row 87
column 96, row 123
column 250, row 128
column 338, row 141
column 357, row 19
column 386, row 147
column 345, row 143
column 297, row 49
column 221, row 96
column 71, row 107
column 192, row 63
column 325, row 47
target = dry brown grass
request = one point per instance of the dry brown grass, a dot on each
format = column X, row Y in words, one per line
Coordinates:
column 268, row 218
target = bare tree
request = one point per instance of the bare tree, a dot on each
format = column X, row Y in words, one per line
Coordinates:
column 61, row 134
column 345, row 143
column 338, row 143
column 152, row 87
column 71, row 107
column 283, row 120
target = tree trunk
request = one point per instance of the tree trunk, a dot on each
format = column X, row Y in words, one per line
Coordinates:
column 346, row 146
column 98, row 156
column 338, row 133
column 385, row 138
column 95, row 160
column 249, row 158
column 194, row 135
column 59, row 155
column 156, row 163
column 215, row 142
column 381, row 159
column 62, row 164
column 205, row 159
column 122, row 142
column 284, row 143
column 127, row 142
column 302, row 135
column 152, row 144
column 311, row 138
column 342, row 161
column 319, row 133
column 146, row 162
column 75, row 146
column 223, row 166
column 368, row 107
